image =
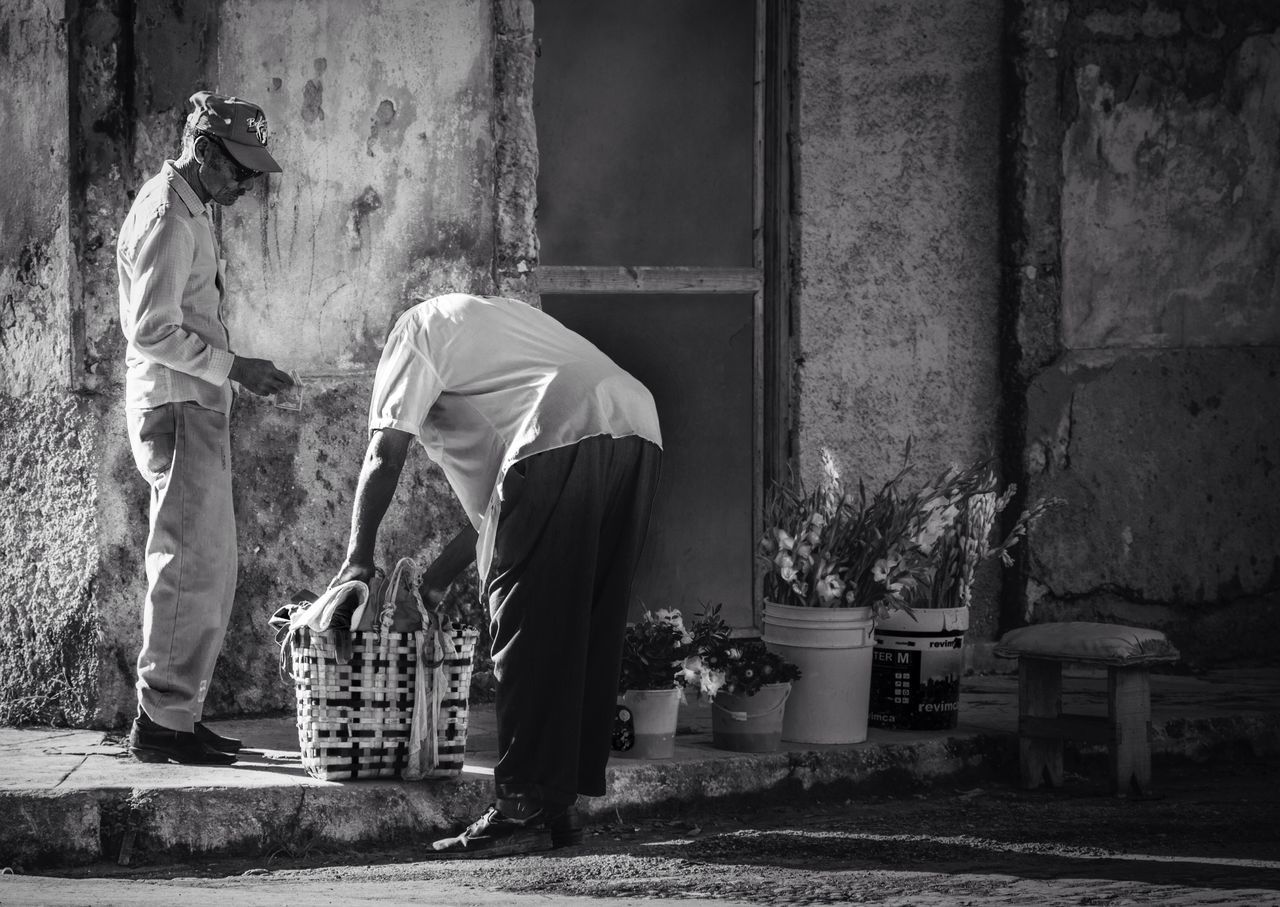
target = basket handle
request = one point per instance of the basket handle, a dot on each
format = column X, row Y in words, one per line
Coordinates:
column 405, row 567
column 434, row 623
column 387, row 607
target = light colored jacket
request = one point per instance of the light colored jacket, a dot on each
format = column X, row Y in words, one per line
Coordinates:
column 171, row 293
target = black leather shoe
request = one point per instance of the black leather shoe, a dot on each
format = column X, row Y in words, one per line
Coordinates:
column 150, row 742
column 216, row 741
column 496, row 835
column 566, row 827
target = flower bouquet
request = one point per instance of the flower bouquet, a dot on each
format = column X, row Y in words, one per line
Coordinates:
column 653, row 652
column 829, row 548
column 723, row 664
column 953, row 534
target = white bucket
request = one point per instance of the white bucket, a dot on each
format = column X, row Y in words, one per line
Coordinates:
column 832, row 647
column 654, row 713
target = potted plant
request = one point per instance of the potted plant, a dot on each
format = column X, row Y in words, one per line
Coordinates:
column 747, row 684
column 832, row 560
column 651, row 682
column 919, row 649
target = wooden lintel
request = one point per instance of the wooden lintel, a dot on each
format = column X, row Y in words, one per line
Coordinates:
column 607, row 280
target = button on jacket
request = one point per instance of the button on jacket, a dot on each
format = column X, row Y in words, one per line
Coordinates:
column 171, row 291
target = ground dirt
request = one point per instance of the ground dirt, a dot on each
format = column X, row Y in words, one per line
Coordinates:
column 1209, row 836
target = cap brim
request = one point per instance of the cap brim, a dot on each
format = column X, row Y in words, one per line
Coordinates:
column 252, row 156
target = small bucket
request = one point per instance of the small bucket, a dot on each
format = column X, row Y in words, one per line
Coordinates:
column 749, row 724
column 916, row 668
column 654, row 714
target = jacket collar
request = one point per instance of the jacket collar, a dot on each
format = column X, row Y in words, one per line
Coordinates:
column 184, row 190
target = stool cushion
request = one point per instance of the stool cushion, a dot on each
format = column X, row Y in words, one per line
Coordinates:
column 1111, row 644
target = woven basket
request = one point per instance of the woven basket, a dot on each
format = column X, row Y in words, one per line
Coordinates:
column 355, row 720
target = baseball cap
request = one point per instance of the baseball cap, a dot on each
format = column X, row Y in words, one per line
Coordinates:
column 241, row 125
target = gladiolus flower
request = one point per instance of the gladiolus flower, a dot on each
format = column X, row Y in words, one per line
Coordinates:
column 830, row 588
column 882, row 568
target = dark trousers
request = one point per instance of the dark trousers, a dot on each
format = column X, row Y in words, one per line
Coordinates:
column 569, row 537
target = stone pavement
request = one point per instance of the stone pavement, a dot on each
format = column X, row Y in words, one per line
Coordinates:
column 71, row 797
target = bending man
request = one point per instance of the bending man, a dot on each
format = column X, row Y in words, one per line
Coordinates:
column 553, row 452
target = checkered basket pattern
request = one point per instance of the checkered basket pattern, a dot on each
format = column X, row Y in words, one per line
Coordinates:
column 355, row 719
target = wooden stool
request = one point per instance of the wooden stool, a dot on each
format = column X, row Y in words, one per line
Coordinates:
column 1127, row 653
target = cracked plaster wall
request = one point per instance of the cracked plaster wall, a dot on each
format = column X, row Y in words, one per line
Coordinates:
column 1151, row 405
column 47, row 512
column 395, row 132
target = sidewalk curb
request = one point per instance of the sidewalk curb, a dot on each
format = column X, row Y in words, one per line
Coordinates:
column 155, row 826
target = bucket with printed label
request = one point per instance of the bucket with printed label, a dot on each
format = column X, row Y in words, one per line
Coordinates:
column 916, row 668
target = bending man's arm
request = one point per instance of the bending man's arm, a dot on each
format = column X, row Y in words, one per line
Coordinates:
column 457, row 554
column 379, row 476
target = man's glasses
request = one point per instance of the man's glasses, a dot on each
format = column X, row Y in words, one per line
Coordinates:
column 241, row 173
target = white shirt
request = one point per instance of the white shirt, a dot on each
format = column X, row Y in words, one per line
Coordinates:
column 483, row 382
column 171, row 291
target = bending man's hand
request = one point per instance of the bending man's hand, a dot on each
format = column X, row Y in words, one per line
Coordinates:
column 259, row 376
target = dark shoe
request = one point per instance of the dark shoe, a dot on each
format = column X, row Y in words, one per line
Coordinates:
column 216, row 741
column 496, row 835
column 150, row 742
column 566, row 827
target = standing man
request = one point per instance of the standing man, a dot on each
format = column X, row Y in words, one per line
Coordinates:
column 553, row 451
column 177, row 401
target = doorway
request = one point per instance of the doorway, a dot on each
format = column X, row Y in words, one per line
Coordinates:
column 652, row 135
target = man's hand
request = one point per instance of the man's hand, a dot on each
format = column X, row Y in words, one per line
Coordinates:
column 350, row 571
column 259, row 376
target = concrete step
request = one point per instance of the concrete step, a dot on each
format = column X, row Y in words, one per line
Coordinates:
column 72, row 797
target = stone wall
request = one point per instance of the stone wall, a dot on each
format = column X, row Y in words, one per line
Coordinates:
column 48, row 519
column 1145, row 255
column 392, row 141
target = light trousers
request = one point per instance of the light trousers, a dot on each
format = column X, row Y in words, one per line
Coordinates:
column 184, row 452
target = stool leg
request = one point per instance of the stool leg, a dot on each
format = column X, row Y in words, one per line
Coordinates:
column 1129, row 708
column 1039, row 696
